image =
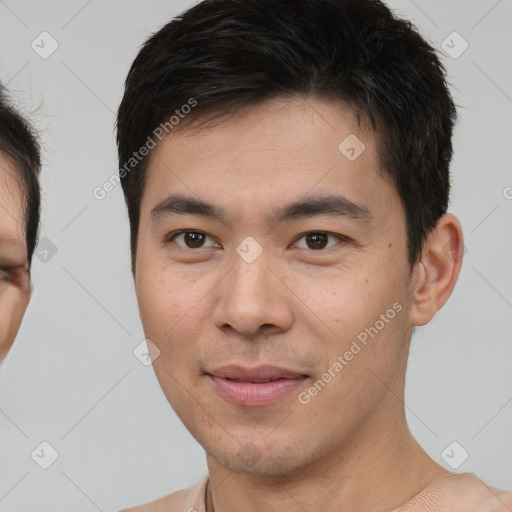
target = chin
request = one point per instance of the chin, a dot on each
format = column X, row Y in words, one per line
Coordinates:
column 271, row 467
column 251, row 460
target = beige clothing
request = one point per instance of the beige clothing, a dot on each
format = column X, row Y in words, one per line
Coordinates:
column 459, row 493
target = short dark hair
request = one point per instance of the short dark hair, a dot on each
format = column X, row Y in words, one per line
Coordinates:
column 230, row 53
column 19, row 142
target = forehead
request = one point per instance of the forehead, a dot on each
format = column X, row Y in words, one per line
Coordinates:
column 272, row 152
column 11, row 204
column 278, row 128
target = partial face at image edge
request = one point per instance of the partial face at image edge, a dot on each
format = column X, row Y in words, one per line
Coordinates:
column 15, row 288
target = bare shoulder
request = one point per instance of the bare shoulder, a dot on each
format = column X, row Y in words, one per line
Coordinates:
column 171, row 503
column 486, row 497
column 462, row 493
column 187, row 500
column 499, row 501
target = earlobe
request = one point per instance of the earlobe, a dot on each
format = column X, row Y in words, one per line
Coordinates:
column 436, row 273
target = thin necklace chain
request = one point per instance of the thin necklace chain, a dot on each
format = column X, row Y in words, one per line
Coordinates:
column 208, row 495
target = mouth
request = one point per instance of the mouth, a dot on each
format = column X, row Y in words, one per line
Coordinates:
column 255, row 387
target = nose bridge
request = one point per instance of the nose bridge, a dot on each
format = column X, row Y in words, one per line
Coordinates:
column 251, row 277
column 250, row 296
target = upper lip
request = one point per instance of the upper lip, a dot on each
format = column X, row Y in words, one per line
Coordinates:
column 258, row 373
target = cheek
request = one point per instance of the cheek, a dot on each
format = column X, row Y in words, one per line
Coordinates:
column 171, row 307
column 360, row 316
column 5, row 341
column 348, row 300
column 13, row 304
column 158, row 306
column 173, row 319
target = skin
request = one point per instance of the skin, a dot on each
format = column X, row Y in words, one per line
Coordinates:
column 15, row 288
column 294, row 306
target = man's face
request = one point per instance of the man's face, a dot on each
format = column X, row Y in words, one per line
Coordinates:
column 14, row 276
column 314, row 285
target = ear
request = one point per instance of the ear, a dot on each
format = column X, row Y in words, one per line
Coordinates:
column 436, row 273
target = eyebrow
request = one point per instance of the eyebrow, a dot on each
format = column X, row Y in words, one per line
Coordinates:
column 334, row 205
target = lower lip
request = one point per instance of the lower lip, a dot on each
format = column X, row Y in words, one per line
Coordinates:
column 252, row 394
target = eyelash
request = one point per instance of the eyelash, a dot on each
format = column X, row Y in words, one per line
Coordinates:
column 14, row 275
column 341, row 238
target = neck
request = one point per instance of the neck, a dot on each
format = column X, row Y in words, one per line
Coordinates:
column 378, row 469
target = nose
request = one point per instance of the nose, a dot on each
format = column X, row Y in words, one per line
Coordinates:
column 253, row 300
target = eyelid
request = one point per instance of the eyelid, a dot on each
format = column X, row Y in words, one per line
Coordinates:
column 18, row 275
column 170, row 238
column 341, row 238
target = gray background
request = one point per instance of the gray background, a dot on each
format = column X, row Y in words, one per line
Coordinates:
column 72, row 379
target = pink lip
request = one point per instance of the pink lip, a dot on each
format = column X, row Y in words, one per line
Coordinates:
column 239, row 385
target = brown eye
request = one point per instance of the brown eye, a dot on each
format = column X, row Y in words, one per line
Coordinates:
column 192, row 240
column 5, row 274
column 18, row 276
column 317, row 240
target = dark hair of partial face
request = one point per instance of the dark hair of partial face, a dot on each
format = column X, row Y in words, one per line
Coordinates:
column 19, row 142
column 226, row 54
